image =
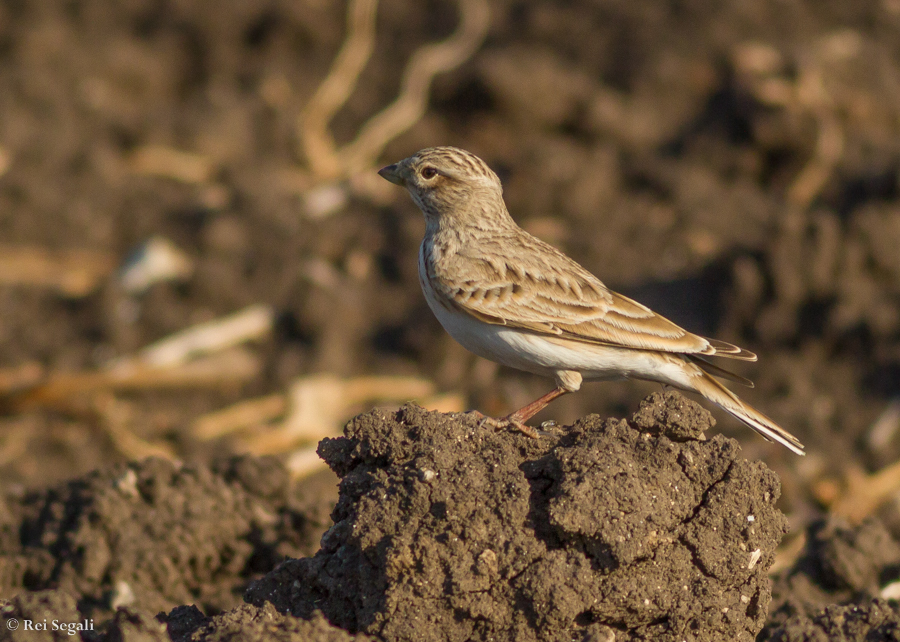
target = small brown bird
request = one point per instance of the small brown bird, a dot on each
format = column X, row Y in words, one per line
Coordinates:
column 511, row 298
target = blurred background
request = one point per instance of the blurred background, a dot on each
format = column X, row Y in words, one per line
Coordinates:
column 197, row 258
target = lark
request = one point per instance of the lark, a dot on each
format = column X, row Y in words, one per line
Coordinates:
column 511, row 298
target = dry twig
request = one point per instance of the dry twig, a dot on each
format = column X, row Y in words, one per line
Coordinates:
column 328, row 163
column 317, row 406
column 409, row 107
column 813, row 97
column 304, row 462
column 885, row 427
column 245, row 325
column 244, row 414
column 5, row 161
column 169, row 363
column 118, row 417
column 863, row 494
column 74, row 273
column 166, row 162
column 318, row 143
column 24, row 376
column 60, row 391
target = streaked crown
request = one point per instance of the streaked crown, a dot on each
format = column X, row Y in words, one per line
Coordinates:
column 448, row 182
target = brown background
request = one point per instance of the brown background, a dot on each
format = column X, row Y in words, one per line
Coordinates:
column 733, row 165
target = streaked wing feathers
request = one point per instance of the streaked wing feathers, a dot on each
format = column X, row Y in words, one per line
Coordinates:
column 545, row 292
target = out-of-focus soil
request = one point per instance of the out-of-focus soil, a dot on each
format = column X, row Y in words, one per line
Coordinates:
column 156, row 534
column 734, row 165
column 835, row 586
column 646, row 139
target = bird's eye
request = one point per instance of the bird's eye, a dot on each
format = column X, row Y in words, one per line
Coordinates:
column 428, row 173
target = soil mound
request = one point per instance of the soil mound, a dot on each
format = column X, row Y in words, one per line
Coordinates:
column 606, row 529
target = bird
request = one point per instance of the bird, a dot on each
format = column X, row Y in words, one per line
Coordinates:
column 509, row 297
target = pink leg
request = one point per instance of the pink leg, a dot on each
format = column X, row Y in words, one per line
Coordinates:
column 525, row 413
column 519, row 417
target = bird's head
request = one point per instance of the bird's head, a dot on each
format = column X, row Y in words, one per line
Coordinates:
column 450, row 185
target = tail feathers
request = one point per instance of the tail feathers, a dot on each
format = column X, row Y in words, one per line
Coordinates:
column 729, row 350
column 716, row 371
column 728, row 401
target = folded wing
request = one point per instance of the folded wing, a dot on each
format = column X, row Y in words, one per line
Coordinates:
column 545, row 292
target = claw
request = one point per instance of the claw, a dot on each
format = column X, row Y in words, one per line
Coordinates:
column 482, row 418
column 526, row 430
column 505, row 422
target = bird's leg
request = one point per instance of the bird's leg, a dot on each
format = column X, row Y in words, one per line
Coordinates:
column 525, row 413
column 519, row 417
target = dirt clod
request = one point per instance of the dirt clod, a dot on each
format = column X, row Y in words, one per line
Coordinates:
column 678, row 418
column 248, row 622
column 602, row 528
column 877, row 621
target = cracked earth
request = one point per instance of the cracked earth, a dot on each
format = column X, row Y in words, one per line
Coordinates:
column 444, row 531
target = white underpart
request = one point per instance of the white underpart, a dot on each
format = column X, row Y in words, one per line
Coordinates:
column 552, row 357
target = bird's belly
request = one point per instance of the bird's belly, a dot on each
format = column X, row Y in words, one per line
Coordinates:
column 548, row 355
column 499, row 343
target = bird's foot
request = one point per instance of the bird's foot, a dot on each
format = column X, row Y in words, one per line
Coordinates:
column 505, row 422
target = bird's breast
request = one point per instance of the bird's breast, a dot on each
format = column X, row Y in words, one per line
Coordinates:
column 495, row 342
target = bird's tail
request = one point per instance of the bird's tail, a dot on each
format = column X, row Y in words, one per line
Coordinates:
column 707, row 386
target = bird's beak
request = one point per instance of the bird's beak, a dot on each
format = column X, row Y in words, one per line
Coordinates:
column 392, row 173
